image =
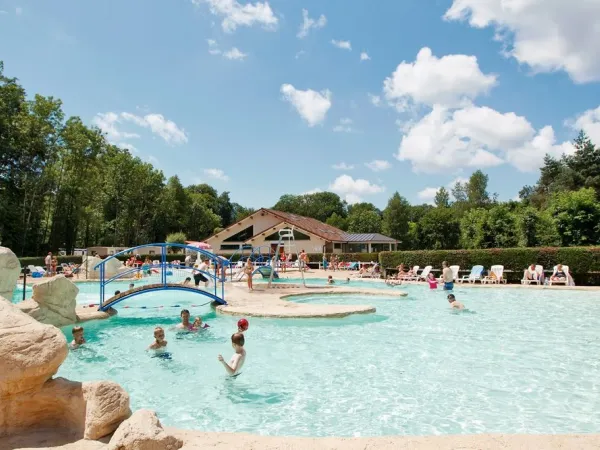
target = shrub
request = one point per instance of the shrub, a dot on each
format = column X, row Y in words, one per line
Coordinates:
column 582, row 261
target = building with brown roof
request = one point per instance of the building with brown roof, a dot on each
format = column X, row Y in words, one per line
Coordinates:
column 261, row 229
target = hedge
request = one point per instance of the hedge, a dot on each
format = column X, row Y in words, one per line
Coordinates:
column 582, row 261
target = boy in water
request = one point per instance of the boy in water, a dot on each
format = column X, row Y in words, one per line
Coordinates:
column 455, row 304
column 78, row 338
column 330, row 280
column 242, row 325
column 239, row 357
column 159, row 339
column 198, row 324
column 185, row 320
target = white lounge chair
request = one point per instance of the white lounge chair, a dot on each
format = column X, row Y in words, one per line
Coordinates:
column 474, row 276
column 420, row 277
column 371, row 273
column 566, row 281
column 539, row 270
column 413, row 277
column 497, row 277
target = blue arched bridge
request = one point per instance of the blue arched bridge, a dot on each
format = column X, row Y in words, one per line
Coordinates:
column 163, row 269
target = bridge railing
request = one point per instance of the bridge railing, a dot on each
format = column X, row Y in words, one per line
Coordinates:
column 164, row 266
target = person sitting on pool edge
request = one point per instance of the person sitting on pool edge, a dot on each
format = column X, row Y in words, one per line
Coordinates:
column 159, row 339
column 78, row 338
column 242, row 325
column 455, row 304
column 239, row 357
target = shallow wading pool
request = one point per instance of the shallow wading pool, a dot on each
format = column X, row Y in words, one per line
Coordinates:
column 519, row 361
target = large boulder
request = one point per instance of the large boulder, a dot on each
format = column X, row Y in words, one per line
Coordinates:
column 30, row 354
column 111, row 268
column 53, row 302
column 143, row 431
column 10, row 268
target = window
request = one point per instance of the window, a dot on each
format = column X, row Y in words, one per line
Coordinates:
column 297, row 237
column 376, row 248
column 241, row 236
column 357, row 248
column 337, row 246
column 230, row 246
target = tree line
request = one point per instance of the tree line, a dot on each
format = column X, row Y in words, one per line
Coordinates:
column 63, row 185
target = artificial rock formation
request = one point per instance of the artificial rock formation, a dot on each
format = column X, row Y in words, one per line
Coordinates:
column 30, row 354
column 111, row 268
column 10, row 268
column 143, row 431
column 53, row 302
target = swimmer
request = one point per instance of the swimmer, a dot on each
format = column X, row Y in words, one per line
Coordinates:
column 455, row 304
column 432, row 281
column 330, row 280
column 131, row 286
column 198, row 324
column 185, row 320
column 117, row 293
column 239, row 357
column 447, row 277
column 347, row 280
column 159, row 339
column 78, row 338
column 242, row 325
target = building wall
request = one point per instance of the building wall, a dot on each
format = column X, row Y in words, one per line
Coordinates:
column 259, row 222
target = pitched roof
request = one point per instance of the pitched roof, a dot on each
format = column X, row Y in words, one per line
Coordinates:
column 313, row 226
column 368, row 237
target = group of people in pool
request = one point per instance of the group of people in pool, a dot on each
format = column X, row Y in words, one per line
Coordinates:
column 159, row 345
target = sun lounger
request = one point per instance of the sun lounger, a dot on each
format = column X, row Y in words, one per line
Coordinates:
column 474, row 276
column 539, row 270
column 495, row 275
column 567, row 281
column 413, row 277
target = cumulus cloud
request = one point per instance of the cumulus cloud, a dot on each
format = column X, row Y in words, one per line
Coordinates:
column 235, row 54
column 452, row 80
column 344, row 45
column 311, row 105
column 345, row 126
column 108, row 123
column 475, row 137
column 547, row 36
column 312, row 191
column 364, row 56
column 589, row 121
column 427, row 195
column 236, row 14
column 342, row 166
column 375, row 99
column 309, row 23
column 378, row 165
column 213, row 48
column 157, row 123
column 216, row 174
column 353, row 190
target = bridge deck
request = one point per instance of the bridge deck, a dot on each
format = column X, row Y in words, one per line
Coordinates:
column 158, row 287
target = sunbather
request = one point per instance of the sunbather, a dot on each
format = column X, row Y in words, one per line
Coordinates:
column 559, row 274
column 531, row 273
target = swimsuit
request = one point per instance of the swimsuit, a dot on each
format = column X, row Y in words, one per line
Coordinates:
column 448, row 285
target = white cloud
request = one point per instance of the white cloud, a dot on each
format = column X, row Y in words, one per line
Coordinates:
column 159, row 125
column 213, row 47
column 353, row 190
column 311, row 105
column 364, row 56
column 308, row 24
column 18, row 11
column 546, row 35
column 108, row 122
column 378, row 165
column 344, row 45
column 428, row 194
column 217, row 174
column 342, row 166
column 152, row 160
column 589, row 121
column 235, row 54
column 127, row 146
column 451, row 80
column 375, row 99
column 312, row 191
column 3, row 12
column 236, row 14
column 475, row 137
column 345, row 126
column 299, row 54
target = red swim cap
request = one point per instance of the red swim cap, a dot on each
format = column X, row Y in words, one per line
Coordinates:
column 243, row 324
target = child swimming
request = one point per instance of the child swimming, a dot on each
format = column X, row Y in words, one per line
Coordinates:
column 78, row 338
column 455, row 304
column 432, row 281
column 239, row 357
column 330, row 280
column 198, row 324
column 159, row 339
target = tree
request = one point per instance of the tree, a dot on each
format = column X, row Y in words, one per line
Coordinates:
column 442, row 198
column 364, row 221
column 577, row 217
column 396, row 217
column 438, row 229
column 176, row 238
column 335, row 220
column 585, row 162
column 477, row 194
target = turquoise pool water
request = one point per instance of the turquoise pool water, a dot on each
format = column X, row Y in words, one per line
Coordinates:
column 518, row 362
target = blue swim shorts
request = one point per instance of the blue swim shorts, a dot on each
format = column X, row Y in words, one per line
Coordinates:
column 449, row 286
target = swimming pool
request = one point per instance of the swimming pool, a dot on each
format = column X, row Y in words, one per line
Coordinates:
column 521, row 361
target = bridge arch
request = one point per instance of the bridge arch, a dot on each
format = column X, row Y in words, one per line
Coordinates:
column 163, row 267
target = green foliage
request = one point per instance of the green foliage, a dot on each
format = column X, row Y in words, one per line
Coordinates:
column 320, row 205
column 176, row 238
column 438, row 229
column 335, row 220
column 581, row 260
column 442, row 198
column 396, row 217
column 577, row 217
column 364, row 221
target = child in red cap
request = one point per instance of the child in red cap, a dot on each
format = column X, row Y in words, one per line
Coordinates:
column 242, row 325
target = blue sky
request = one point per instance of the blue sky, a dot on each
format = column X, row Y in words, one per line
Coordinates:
column 371, row 98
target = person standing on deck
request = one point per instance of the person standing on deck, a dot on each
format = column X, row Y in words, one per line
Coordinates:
column 48, row 263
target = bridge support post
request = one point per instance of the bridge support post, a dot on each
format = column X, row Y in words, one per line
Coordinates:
column 163, row 265
column 102, row 285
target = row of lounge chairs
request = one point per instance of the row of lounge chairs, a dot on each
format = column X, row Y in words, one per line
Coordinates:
column 495, row 275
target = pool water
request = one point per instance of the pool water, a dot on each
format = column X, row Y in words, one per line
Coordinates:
column 519, row 361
